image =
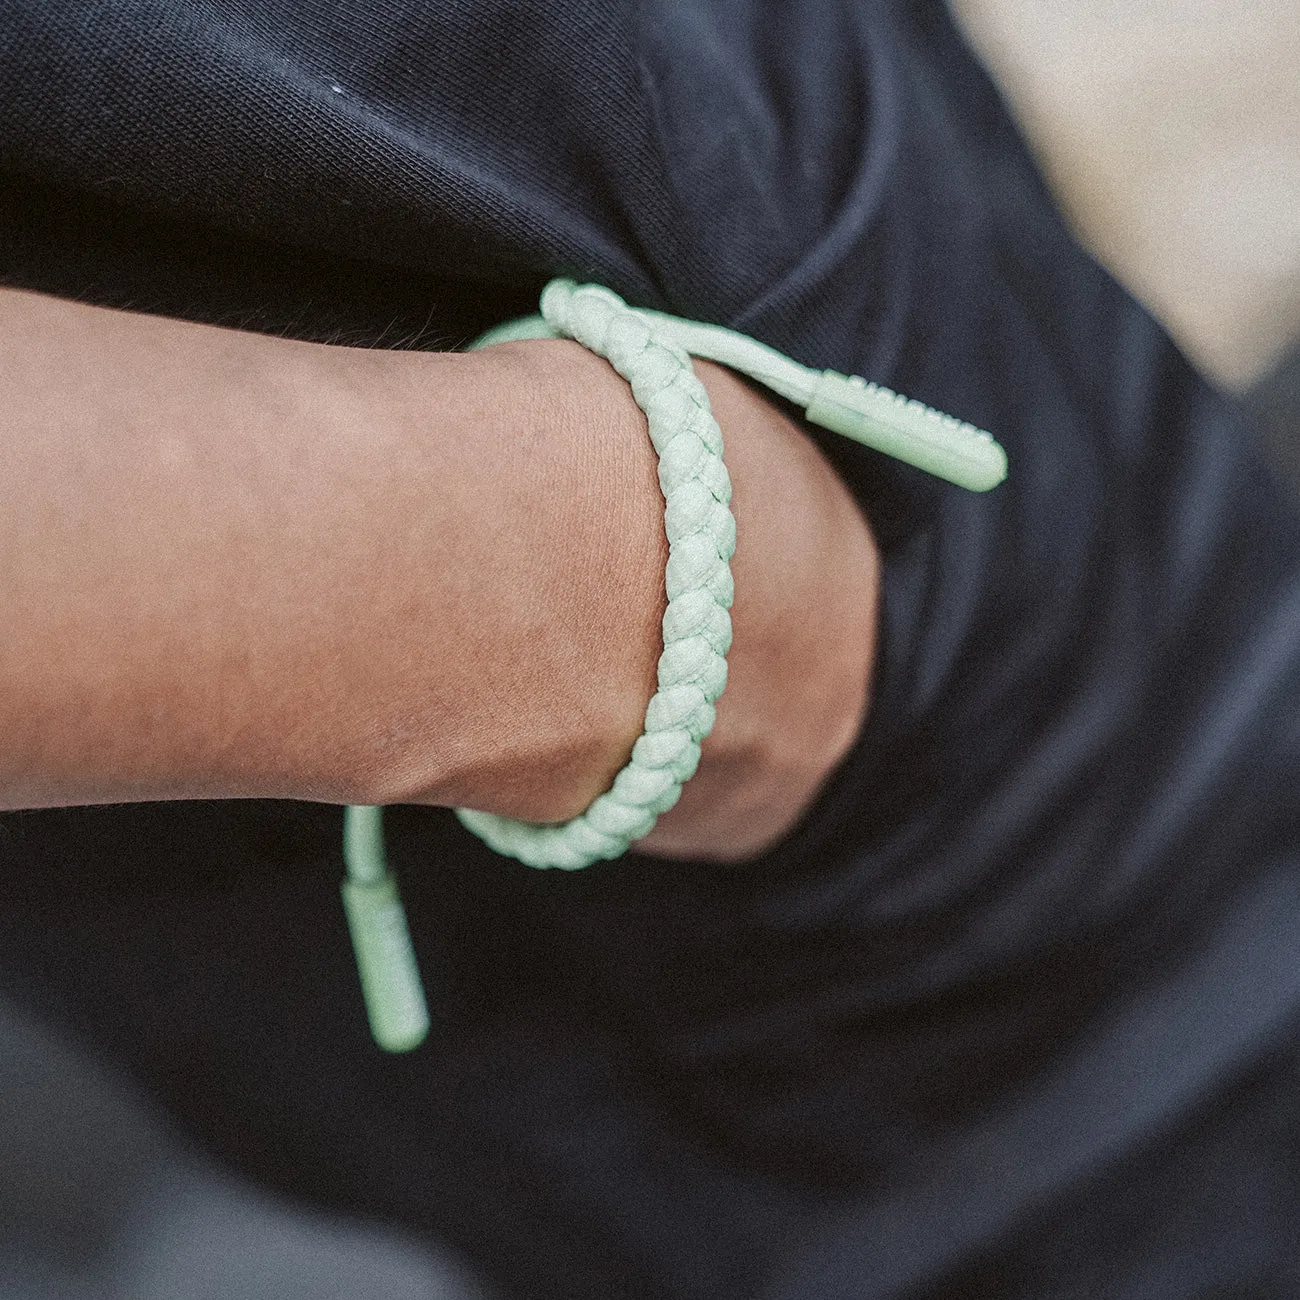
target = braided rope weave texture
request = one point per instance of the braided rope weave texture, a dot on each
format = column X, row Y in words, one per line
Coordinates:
column 696, row 625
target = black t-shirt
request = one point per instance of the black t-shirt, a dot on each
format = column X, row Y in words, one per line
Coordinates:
column 1013, row 1014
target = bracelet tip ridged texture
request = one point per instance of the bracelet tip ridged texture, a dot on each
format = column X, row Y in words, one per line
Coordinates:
column 701, row 535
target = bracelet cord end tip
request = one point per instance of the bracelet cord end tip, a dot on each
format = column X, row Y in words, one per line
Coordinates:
column 907, row 430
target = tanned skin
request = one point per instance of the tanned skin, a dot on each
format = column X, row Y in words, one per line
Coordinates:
column 242, row 566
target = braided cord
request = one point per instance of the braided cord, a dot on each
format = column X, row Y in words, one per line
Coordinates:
column 696, row 624
column 652, row 352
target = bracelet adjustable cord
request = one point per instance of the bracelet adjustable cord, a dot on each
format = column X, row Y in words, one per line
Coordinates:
column 390, row 977
column 652, row 352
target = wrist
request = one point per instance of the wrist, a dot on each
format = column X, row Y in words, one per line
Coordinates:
column 560, row 588
column 806, row 574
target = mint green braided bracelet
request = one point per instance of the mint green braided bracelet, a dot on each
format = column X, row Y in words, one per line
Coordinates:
column 696, row 625
column 652, row 352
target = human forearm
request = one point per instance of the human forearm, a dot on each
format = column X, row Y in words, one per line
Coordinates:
column 241, row 566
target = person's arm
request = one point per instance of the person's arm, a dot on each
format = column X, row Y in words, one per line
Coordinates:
column 241, row 566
